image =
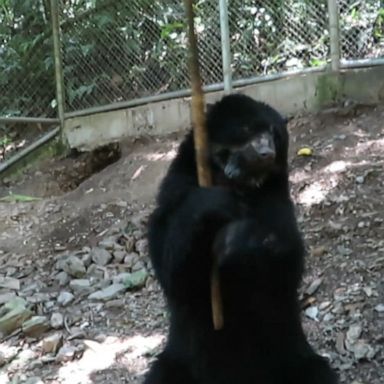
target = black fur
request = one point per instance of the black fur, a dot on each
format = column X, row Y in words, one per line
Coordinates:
column 251, row 229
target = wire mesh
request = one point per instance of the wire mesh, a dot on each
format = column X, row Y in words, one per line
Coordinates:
column 27, row 86
column 277, row 35
column 117, row 50
column 362, row 29
column 121, row 50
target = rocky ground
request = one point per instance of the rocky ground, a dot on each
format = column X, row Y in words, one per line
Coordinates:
column 78, row 302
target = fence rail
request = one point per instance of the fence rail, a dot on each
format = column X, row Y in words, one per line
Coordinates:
column 116, row 52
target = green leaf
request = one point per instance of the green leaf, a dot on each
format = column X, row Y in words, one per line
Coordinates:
column 18, row 198
column 5, row 140
column 317, row 62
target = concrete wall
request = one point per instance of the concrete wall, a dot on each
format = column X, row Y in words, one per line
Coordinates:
column 293, row 94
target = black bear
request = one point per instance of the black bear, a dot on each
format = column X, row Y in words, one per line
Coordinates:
column 247, row 222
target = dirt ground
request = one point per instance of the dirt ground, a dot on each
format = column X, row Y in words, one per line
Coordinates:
column 86, row 235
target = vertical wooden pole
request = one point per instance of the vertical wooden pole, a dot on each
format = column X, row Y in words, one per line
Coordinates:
column 202, row 149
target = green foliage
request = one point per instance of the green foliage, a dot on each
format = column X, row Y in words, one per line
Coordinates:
column 115, row 50
column 317, row 62
column 26, row 73
column 5, row 140
column 378, row 31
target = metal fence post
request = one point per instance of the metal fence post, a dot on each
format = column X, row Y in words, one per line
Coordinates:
column 59, row 77
column 225, row 46
column 334, row 34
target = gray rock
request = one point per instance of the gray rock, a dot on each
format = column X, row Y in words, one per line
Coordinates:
column 73, row 266
column 30, row 288
column 35, row 364
column 369, row 292
column 96, row 307
column 138, row 234
column 150, row 284
column 9, row 283
column 108, row 243
column 314, row 286
column 117, row 303
column 101, row 284
column 328, row 317
column 77, row 333
column 131, row 259
column 108, row 293
column 48, row 359
column 119, row 256
column 81, row 286
column 140, row 219
column 34, row 380
column 52, row 343
column 142, row 247
column 61, row 260
column 138, row 266
column 62, row 278
column 95, row 271
column 100, row 256
column 38, row 298
column 312, row 313
column 130, row 244
column 325, row 305
column 65, row 298
column 362, row 350
column 48, row 305
column 10, row 271
column 66, row 353
column 379, row 308
column 8, row 354
column 354, row 333
column 121, row 277
column 7, row 296
column 86, row 259
column 13, row 314
column 57, row 320
column 35, row 326
column 338, row 309
column 136, row 279
column 361, row 224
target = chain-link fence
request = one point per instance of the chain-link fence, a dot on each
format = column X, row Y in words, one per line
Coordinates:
column 27, row 80
column 277, row 36
column 127, row 50
column 116, row 51
column 362, row 29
